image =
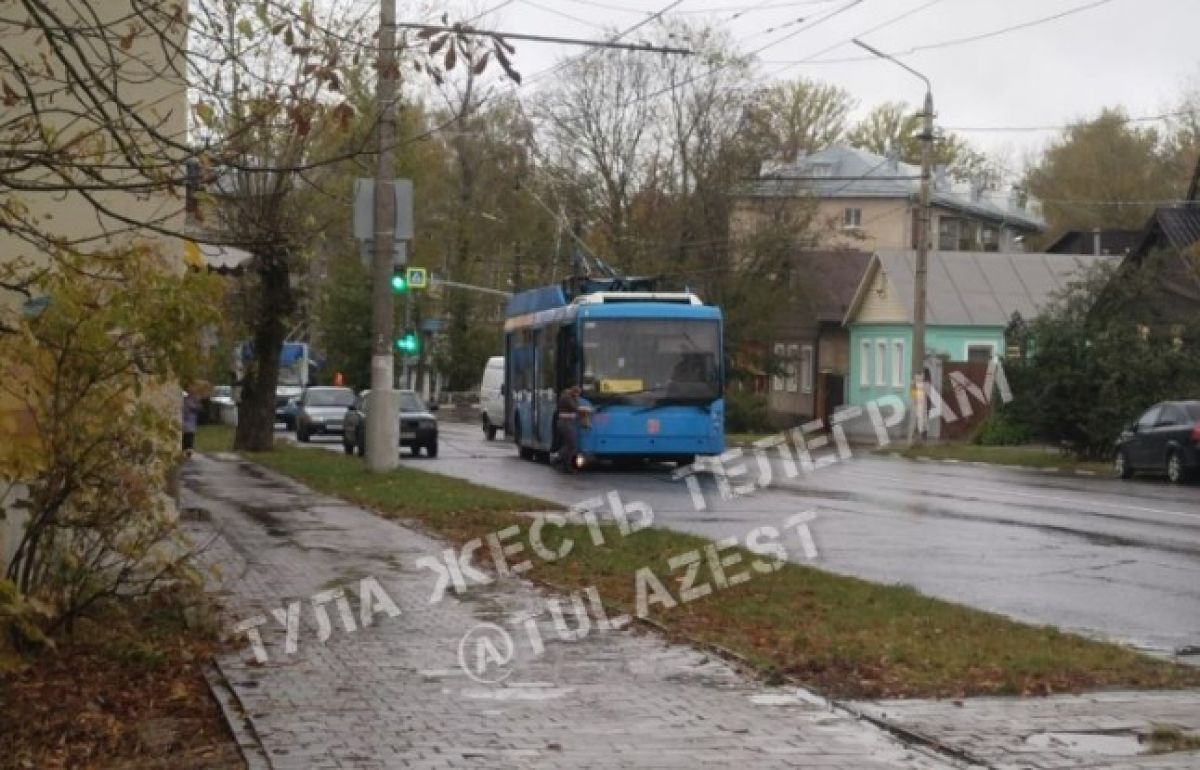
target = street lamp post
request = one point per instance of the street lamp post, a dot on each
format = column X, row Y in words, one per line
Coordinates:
column 921, row 277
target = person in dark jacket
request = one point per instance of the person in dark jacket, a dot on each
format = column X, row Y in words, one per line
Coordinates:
column 566, row 420
column 192, row 405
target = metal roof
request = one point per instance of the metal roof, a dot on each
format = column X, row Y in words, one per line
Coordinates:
column 974, row 288
column 1180, row 225
column 841, row 171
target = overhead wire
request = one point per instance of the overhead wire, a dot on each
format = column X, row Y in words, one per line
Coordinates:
column 959, row 40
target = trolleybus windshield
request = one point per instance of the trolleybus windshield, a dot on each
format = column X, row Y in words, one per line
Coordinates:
column 651, row 361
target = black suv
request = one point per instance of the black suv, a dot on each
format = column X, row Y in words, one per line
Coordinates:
column 1165, row 439
column 418, row 426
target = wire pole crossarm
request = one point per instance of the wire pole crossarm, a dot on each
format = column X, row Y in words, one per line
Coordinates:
column 462, row 29
column 921, row 271
column 469, row 287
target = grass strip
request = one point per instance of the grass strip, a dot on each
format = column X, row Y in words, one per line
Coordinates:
column 1023, row 456
column 840, row 635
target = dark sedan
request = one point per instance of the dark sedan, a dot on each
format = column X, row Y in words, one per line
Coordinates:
column 418, row 426
column 1164, row 440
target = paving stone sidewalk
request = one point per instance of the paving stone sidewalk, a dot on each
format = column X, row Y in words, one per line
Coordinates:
column 394, row 694
column 1066, row 731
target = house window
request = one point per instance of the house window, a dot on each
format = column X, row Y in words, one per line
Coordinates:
column 881, row 362
column 820, row 169
column 806, row 369
column 864, row 364
column 948, row 231
column 980, row 352
column 898, row 363
column 852, row 219
column 777, row 376
column 989, row 238
column 793, row 352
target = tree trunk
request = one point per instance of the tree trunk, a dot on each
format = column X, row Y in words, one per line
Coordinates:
column 256, row 410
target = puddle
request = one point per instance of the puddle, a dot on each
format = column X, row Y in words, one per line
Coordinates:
column 1108, row 744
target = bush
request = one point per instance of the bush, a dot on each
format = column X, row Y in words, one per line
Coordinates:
column 1106, row 349
column 999, row 430
column 746, row 413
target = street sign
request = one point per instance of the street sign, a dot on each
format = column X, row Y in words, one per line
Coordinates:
column 364, row 209
column 418, row 278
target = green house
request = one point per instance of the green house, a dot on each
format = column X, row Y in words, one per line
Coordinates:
column 971, row 299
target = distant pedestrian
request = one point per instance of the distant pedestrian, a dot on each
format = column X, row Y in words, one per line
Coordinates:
column 567, row 424
column 192, row 404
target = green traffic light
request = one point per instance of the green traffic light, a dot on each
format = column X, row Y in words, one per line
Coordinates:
column 408, row 343
column 399, row 284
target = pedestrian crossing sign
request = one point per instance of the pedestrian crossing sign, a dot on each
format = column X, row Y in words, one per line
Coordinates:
column 418, row 278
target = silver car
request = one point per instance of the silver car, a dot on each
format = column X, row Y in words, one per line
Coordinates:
column 322, row 410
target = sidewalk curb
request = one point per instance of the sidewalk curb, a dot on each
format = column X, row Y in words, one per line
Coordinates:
column 1052, row 470
column 254, row 754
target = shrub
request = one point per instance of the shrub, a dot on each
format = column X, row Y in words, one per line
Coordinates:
column 746, row 413
column 1000, row 430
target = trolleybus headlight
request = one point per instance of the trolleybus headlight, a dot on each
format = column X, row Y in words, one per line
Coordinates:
column 579, row 461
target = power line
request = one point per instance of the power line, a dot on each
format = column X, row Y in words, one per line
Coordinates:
column 467, row 30
column 721, row 67
column 628, row 30
column 562, row 14
column 960, row 40
column 757, row 7
column 1064, row 127
column 493, row 9
column 876, row 28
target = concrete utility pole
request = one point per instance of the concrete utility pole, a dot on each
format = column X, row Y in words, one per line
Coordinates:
column 383, row 427
column 921, row 273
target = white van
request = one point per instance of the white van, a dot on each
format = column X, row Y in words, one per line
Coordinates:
column 491, row 397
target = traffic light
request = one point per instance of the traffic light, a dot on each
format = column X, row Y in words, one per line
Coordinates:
column 399, row 282
column 409, row 344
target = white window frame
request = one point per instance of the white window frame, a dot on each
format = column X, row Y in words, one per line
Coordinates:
column 806, row 368
column 776, row 377
column 898, row 378
column 977, row 344
column 793, row 353
column 864, row 363
column 851, row 218
column 881, row 351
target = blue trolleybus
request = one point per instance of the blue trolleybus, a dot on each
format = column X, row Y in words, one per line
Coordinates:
column 649, row 364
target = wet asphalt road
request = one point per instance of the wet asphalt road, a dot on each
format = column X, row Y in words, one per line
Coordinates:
column 1108, row 558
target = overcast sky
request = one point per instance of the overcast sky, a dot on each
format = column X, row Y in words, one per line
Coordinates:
column 1140, row 54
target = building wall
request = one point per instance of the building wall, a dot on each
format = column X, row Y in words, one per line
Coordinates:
column 883, row 223
column 790, row 392
column 881, row 303
column 161, row 100
column 894, row 361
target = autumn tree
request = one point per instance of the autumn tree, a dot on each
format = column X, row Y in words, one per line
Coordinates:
column 601, row 107
column 95, row 372
column 274, row 105
column 895, row 127
column 1105, row 172
column 799, row 117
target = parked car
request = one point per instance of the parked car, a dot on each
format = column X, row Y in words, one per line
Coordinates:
column 418, row 425
column 491, row 397
column 1165, row 439
column 287, row 415
column 322, row 410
